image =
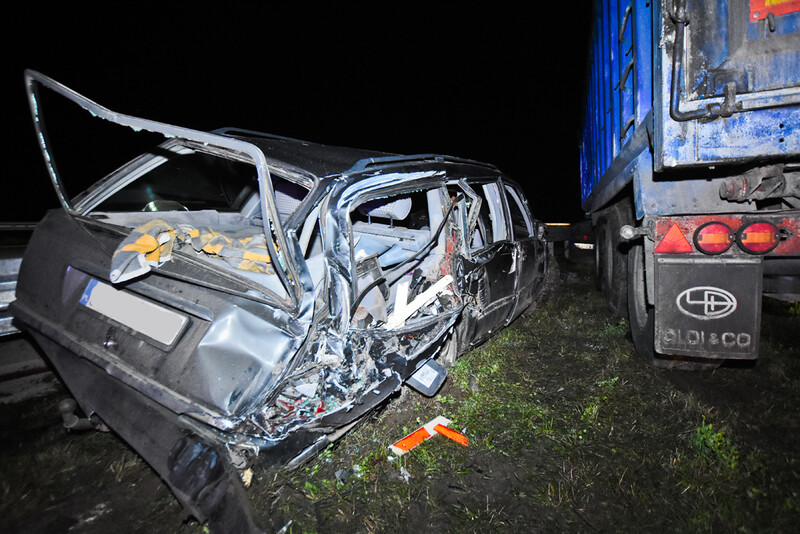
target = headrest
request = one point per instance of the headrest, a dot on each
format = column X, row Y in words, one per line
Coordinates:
column 396, row 209
column 288, row 197
column 285, row 203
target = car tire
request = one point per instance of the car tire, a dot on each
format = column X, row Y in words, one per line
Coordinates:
column 641, row 317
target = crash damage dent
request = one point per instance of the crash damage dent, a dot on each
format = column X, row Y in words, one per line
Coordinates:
column 234, row 344
column 255, row 362
column 261, row 383
column 346, row 369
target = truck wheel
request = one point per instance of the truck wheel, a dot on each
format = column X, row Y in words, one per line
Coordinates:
column 642, row 320
column 616, row 260
column 640, row 314
column 610, row 261
column 600, row 257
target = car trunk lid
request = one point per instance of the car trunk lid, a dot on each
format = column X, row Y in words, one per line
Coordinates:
column 199, row 338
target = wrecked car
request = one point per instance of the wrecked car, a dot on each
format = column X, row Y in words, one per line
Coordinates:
column 231, row 297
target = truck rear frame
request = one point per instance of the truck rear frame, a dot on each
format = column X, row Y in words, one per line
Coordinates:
column 690, row 170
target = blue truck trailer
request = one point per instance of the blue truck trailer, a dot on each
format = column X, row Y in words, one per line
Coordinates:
column 690, row 170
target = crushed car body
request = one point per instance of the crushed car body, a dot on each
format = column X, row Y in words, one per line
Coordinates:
column 233, row 297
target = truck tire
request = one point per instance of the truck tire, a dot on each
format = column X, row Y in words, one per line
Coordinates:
column 610, row 259
column 641, row 317
column 619, row 215
column 599, row 256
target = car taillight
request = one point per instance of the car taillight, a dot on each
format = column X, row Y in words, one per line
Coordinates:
column 713, row 238
column 758, row 237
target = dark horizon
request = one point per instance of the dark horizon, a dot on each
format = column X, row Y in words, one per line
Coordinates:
column 505, row 88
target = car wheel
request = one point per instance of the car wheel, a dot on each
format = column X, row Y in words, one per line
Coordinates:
column 642, row 322
column 449, row 353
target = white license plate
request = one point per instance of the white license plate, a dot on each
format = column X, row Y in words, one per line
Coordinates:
column 150, row 319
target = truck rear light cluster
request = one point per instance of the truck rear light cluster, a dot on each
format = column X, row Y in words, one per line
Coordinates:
column 713, row 238
column 758, row 238
column 716, row 237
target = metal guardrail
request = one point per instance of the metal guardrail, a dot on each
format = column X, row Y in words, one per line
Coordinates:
column 13, row 239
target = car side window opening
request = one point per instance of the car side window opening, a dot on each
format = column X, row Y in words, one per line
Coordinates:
column 520, row 221
column 402, row 247
column 490, row 224
column 310, row 236
column 288, row 196
column 494, row 202
column 463, row 204
column 310, row 240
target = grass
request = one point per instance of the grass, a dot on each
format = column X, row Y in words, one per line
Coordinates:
column 715, row 447
column 568, row 429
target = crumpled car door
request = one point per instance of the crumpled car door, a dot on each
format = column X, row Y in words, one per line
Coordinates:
column 395, row 250
column 491, row 270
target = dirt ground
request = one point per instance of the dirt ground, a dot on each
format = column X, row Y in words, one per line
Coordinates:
column 568, row 429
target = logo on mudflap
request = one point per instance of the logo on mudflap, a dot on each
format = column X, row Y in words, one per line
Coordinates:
column 706, row 302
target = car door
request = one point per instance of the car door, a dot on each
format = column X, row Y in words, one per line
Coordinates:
column 402, row 296
column 529, row 248
column 491, row 269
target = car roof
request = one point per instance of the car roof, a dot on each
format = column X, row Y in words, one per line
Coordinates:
column 328, row 160
column 315, row 158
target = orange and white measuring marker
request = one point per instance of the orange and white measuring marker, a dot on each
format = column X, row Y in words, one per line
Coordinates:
column 427, row 431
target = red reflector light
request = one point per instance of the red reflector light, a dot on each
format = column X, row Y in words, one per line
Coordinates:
column 673, row 242
column 713, row 238
column 758, row 238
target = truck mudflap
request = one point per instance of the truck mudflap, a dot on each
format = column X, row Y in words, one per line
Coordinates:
column 708, row 307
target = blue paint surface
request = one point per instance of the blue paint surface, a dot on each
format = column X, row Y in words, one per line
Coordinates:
column 631, row 73
column 87, row 293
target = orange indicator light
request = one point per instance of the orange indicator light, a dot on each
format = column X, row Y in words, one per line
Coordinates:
column 713, row 238
column 758, row 238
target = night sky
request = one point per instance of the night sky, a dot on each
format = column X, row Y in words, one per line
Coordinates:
column 499, row 86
